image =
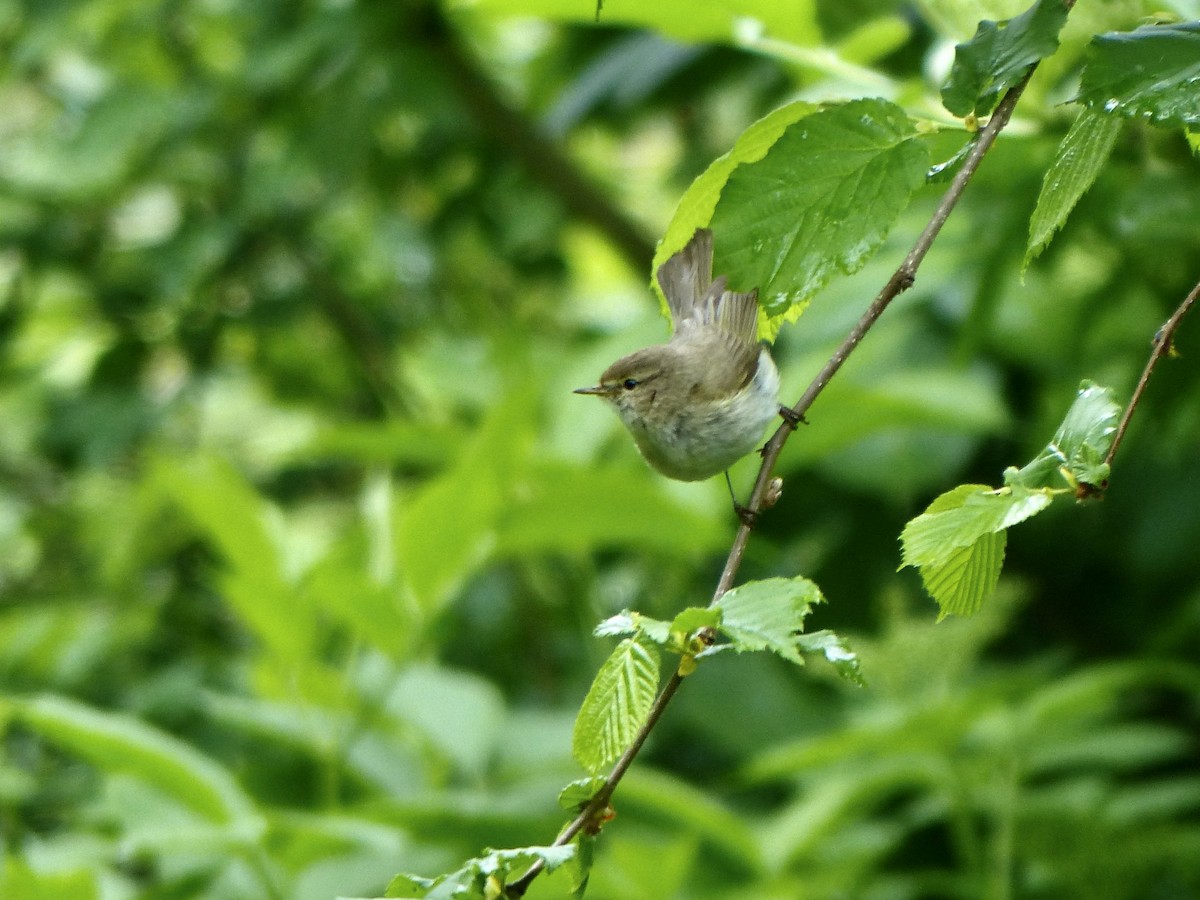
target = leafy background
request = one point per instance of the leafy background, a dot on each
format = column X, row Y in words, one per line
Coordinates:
column 303, row 536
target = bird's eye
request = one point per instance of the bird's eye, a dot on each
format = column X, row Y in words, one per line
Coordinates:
column 630, row 383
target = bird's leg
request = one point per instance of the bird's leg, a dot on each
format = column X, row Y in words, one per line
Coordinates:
column 745, row 514
column 793, row 418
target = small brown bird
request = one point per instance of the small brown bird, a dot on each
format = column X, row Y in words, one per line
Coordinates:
column 700, row 402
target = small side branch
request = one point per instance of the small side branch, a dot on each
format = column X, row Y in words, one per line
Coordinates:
column 1164, row 341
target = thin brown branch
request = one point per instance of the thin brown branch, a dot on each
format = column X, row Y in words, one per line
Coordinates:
column 1163, row 344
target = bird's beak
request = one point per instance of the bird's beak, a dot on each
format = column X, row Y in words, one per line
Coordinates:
column 599, row 390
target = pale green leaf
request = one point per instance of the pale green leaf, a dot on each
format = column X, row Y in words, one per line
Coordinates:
column 836, row 651
column 967, row 576
column 820, row 202
column 616, row 705
column 960, row 517
column 768, row 615
column 998, row 56
column 1152, row 72
column 1078, row 161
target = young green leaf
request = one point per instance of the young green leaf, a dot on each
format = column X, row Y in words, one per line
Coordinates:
column 628, row 622
column 1078, row 161
column 585, row 856
column 579, row 792
column 960, row 517
column 480, row 878
column 835, row 650
column 616, row 705
column 820, row 201
column 1151, row 72
column 958, row 543
column 1079, row 445
column 998, row 56
column 768, row 615
column 967, row 576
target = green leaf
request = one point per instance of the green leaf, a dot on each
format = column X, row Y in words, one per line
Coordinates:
column 666, row 634
column 694, row 618
column 629, row 622
column 836, row 651
column 480, row 878
column 579, row 792
column 1079, row 445
column 117, row 743
column 967, row 576
column 1078, row 161
column 820, row 201
column 960, row 517
column 409, row 886
column 768, row 615
column 616, row 705
column 999, row 55
column 1152, row 72
column 696, row 206
column 584, row 859
column 958, row 542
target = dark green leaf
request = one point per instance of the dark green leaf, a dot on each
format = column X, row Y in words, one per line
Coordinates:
column 999, row 55
column 768, row 615
column 1152, row 72
column 1080, row 157
column 821, row 201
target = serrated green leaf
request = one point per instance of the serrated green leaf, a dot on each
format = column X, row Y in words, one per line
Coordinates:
column 998, row 56
column 1079, row 445
column 579, row 792
column 616, row 705
column 836, row 651
column 696, row 206
column 959, row 518
column 1152, row 72
column 967, row 577
column 768, row 615
column 1080, row 157
column 820, row 201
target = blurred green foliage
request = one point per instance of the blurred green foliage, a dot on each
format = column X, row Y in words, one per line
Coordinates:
column 303, row 536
